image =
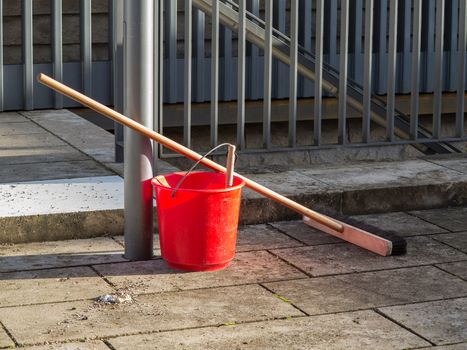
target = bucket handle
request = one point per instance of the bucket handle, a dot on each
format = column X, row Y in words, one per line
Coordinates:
column 195, row 165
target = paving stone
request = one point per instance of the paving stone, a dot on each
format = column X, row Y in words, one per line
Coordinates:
column 370, row 289
column 164, row 311
column 5, row 340
column 46, row 286
column 37, row 256
column 11, row 117
column 52, row 170
column 458, row 163
column 457, row 268
column 257, row 237
column 89, row 345
column 460, row 346
column 344, row 258
column 442, row 322
column 305, row 234
column 402, row 223
column 40, row 155
column 352, row 331
column 154, row 275
column 457, row 240
column 452, row 219
column 16, row 128
column 39, row 140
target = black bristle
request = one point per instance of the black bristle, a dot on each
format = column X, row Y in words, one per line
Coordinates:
column 399, row 244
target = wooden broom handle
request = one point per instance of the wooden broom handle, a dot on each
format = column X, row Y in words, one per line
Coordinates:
column 174, row 146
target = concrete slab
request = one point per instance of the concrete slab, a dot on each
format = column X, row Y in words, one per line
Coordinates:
column 370, row 289
column 61, row 196
column 402, row 223
column 154, row 275
column 303, row 233
column 452, row 219
column 84, row 319
column 460, row 346
column 47, row 286
column 442, row 322
column 344, row 258
column 41, row 140
column 53, row 170
column 353, row 331
column 89, row 345
column 457, row 240
column 458, row 163
column 20, row 129
column 11, row 117
column 37, row 256
column 456, row 268
column 5, row 340
column 42, row 155
column 258, row 237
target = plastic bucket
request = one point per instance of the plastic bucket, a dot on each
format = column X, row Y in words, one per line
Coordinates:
column 198, row 222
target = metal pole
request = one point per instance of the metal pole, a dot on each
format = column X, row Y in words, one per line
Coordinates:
column 138, row 65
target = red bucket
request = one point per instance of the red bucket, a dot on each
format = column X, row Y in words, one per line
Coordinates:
column 198, row 221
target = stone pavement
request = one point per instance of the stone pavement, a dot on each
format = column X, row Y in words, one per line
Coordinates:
column 289, row 287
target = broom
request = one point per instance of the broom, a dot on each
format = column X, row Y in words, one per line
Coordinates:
column 380, row 242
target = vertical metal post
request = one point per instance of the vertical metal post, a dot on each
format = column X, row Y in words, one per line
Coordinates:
column 318, row 72
column 461, row 69
column 267, row 75
column 171, row 49
column 138, row 82
column 343, row 71
column 214, row 72
column 1, row 58
column 304, row 39
column 279, row 75
column 330, row 31
column 254, row 69
column 392, row 56
column 117, row 65
column 187, row 75
column 198, row 52
column 241, row 75
column 28, row 75
column 158, row 79
column 367, row 71
column 86, row 46
column 57, row 56
column 415, row 83
column 293, row 73
column 438, row 87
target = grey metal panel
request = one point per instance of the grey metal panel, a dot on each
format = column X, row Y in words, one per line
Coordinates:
column 355, row 40
column 187, row 74
column 367, row 71
column 198, row 54
column 1, row 59
column 28, row 79
column 214, row 73
column 267, row 75
column 171, row 50
column 293, row 73
column 279, row 71
column 461, row 69
column 86, row 46
column 381, row 24
column 57, row 55
column 428, row 44
column 391, row 84
column 415, row 77
column 330, row 32
column 438, row 75
column 304, row 35
column 450, row 47
column 241, row 61
column 404, row 36
column 344, row 31
column 318, row 71
column 255, row 66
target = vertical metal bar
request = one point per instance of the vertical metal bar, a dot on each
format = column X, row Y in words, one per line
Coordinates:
column 293, row 73
column 438, row 87
column 187, row 75
column 227, row 77
column 461, row 69
column 198, row 52
column 392, row 57
column 428, row 32
column 278, row 73
column 367, row 71
column 254, row 69
column 304, row 38
column 331, row 32
column 344, row 31
column 358, row 20
column 415, row 84
column 241, row 75
column 57, row 56
column 86, row 46
column 381, row 41
column 319, row 43
column 267, row 75
column 1, row 58
column 117, row 62
column 214, row 72
column 158, row 79
column 404, row 35
column 138, row 82
column 452, row 9
column 171, row 49
column 28, row 78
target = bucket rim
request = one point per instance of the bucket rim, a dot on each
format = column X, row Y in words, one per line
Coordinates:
column 155, row 182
